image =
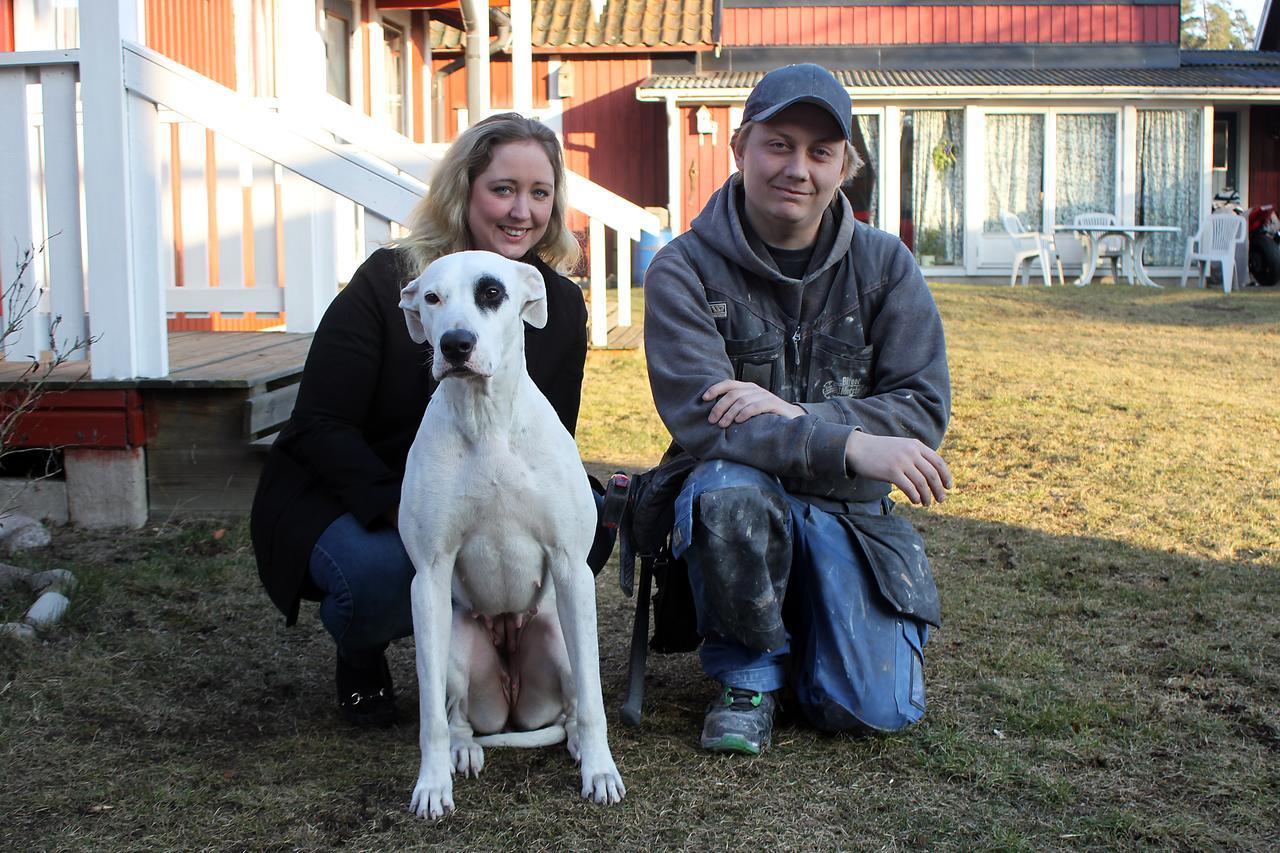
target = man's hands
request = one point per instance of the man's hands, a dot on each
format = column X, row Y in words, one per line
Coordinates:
column 742, row 401
column 907, row 463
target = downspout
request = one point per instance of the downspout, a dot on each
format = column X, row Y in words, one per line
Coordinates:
column 503, row 41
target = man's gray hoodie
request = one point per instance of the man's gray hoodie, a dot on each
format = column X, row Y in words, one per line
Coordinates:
column 868, row 356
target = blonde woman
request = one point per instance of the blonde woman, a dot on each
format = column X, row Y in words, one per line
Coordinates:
column 324, row 517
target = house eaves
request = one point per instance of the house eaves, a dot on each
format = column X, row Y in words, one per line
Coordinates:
column 1197, row 77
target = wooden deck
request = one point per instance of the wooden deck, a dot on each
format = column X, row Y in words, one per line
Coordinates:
column 196, row 360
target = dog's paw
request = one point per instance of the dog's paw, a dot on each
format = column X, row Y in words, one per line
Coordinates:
column 602, row 783
column 433, row 794
column 467, row 757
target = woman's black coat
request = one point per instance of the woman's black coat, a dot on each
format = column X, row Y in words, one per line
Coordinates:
column 364, row 389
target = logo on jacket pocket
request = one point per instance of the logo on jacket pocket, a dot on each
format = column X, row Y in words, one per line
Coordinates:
column 719, row 310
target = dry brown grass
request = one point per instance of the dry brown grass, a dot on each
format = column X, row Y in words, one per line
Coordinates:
column 1108, row 675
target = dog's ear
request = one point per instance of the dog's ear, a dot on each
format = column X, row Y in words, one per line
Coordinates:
column 534, row 310
column 411, row 305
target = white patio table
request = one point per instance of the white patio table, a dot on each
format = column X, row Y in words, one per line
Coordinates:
column 1135, row 241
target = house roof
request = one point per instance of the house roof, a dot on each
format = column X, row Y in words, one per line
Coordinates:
column 1199, row 69
column 622, row 23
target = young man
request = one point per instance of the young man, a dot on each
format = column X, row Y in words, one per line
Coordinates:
column 799, row 357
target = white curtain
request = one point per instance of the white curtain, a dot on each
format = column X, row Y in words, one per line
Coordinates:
column 937, row 184
column 869, row 127
column 1168, row 179
column 1086, row 179
column 1015, row 170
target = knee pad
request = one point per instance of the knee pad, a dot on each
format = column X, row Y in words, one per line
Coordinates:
column 743, row 540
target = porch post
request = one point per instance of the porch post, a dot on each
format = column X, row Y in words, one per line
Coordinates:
column 675, row 160
column 309, row 273
column 122, row 201
column 475, row 14
column 522, row 56
column 974, row 176
column 891, row 171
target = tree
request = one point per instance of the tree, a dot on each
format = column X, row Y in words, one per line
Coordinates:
column 1215, row 25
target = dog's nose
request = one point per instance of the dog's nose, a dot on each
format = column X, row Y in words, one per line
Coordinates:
column 456, row 345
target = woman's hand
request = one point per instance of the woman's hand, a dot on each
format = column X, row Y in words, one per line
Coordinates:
column 741, row 401
column 909, row 464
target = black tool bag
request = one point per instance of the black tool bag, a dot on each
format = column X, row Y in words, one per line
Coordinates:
column 646, row 533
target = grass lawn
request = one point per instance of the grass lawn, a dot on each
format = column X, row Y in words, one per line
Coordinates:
column 1108, row 673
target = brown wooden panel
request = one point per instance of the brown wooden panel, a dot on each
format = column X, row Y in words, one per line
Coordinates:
column 198, row 33
column 939, row 24
column 704, row 163
column 1124, row 23
column 6, row 25
column 199, row 462
column 1264, row 155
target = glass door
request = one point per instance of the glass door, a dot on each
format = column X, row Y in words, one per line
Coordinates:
column 1046, row 167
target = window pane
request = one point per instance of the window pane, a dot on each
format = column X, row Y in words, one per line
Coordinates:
column 1086, row 180
column 933, row 185
column 393, row 70
column 1168, row 179
column 1015, row 170
column 864, row 190
column 337, row 59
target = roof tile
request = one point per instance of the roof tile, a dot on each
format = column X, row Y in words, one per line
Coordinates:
column 629, row 23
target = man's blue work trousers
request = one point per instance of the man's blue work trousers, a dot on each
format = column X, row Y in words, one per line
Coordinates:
column 783, row 595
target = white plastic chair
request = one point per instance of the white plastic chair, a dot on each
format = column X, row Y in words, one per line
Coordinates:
column 1028, row 246
column 1216, row 243
column 1109, row 248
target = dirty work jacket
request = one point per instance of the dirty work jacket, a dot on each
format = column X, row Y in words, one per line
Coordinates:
column 872, row 358
column 364, row 389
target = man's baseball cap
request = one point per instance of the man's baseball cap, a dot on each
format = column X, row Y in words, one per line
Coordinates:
column 805, row 83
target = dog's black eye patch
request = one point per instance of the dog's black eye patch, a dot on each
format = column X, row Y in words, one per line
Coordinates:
column 490, row 293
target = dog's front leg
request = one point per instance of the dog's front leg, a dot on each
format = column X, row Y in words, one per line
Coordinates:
column 575, row 605
column 432, row 621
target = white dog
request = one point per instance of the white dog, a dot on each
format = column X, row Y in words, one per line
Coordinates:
column 497, row 515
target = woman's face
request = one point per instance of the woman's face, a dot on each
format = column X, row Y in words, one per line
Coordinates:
column 511, row 200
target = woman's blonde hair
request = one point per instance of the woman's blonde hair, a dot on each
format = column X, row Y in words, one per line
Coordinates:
column 438, row 225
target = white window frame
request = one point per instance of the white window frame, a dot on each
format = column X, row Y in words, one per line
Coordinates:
column 992, row 251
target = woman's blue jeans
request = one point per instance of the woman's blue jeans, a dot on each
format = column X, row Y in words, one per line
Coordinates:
column 364, row 577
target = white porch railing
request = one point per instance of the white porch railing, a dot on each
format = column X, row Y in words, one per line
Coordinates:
column 227, row 205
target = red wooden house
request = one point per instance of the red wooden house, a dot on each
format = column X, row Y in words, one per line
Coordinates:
column 238, row 158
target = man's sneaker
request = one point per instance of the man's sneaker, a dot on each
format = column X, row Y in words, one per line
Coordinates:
column 366, row 696
column 738, row 721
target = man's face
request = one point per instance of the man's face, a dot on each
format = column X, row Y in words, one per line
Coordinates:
column 792, row 166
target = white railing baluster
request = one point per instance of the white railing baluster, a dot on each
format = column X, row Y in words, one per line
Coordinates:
column 310, row 272
column 166, row 153
column 599, row 309
column 624, row 278
column 193, row 205
column 62, row 208
column 229, row 210
column 262, row 204
column 16, row 238
column 377, row 232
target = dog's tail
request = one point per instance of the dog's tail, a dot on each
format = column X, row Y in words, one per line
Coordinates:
column 546, row 736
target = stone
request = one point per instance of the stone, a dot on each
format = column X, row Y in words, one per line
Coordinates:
column 54, row 580
column 18, row 631
column 21, row 532
column 106, row 488
column 48, row 610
